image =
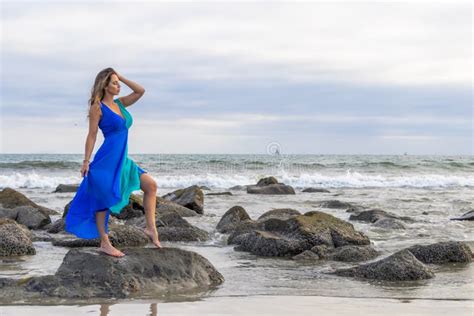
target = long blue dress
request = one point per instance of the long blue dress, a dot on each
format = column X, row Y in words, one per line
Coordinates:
column 111, row 178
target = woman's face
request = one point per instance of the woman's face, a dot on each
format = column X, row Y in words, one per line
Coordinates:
column 114, row 85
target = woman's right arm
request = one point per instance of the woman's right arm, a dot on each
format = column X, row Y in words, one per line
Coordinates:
column 94, row 117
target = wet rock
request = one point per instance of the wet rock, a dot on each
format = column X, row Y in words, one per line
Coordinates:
column 119, row 236
column 56, row 227
column 231, row 219
column 373, row 215
column 350, row 253
column 280, row 213
column 66, row 188
column 88, row 273
column 26, row 215
column 469, row 216
column 270, row 185
column 15, row 239
column 442, row 252
column 165, row 206
column 276, row 237
column 191, row 197
column 401, row 266
column 279, row 188
column 10, row 198
column 316, row 190
column 245, row 226
column 335, row 204
column 267, row 181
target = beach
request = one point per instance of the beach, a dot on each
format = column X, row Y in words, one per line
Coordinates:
column 429, row 189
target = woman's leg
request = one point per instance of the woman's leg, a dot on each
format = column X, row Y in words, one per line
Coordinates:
column 149, row 187
column 105, row 244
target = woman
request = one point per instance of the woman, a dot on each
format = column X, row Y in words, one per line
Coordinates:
column 111, row 177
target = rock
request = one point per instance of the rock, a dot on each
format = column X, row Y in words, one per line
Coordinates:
column 373, row 215
column 26, row 215
column 66, row 188
column 191, row 197
column 352, row 253
column 231, row 219
column 220, row 193
column 172, row 227
column 401, row 266
column 316, row 190
column 442, row 252
column 469, row 216
column 276, row 237
column 56, row 227
column 171, row 207
column 15, row 239
column 119, row 236
column 271, row 189
column 88, row 273
column 280, row 213
column 134, row 208
column 245, row 226
column 267, row 181
column 203, row 187
column 268, row 244
column 389, row 223
column 10, row 198
column 335, row 204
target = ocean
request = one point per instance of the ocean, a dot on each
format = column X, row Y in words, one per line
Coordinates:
column 430, row 189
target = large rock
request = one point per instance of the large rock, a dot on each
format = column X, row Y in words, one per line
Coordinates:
column 276, row 237
column 442, row 252
column 26, row 215
column 88, row 273
column 267, row 181
column 231, row 219
column 10, row 198
column 401, row 266
column 191, row 197
column 15, row 239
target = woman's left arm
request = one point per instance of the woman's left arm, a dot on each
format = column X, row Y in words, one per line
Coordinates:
column 133, row 97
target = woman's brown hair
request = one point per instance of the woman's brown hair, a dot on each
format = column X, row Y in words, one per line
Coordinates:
column 102, row 80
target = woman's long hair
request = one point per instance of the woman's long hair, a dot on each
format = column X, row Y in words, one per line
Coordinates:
column 102, row 80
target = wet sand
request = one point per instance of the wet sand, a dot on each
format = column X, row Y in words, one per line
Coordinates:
column 258, row 305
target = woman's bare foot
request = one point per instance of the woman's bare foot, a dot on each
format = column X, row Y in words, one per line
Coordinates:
column 153, row 236
column 106, row 247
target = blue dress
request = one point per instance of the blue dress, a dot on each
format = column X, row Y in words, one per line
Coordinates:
column 111, row 178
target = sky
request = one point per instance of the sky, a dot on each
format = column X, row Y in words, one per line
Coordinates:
column 236, row 77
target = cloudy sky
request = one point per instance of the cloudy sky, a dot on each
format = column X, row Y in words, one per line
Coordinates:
column 314, row 77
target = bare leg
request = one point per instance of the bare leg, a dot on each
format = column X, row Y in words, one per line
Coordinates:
column 149, row 188
column 105, row 245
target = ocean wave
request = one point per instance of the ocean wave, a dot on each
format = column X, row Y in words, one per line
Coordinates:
column 40, row 164
column 349, row 179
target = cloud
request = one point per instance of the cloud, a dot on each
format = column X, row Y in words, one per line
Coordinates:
column 234, row 76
